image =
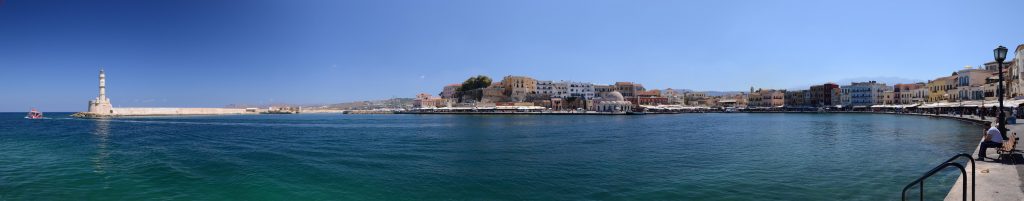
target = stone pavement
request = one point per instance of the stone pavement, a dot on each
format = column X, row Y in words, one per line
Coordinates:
column 995, row 180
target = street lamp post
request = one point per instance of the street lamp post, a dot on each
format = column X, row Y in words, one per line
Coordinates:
column 1000, row 54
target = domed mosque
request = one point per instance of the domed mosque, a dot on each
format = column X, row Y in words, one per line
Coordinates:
column 614, row 102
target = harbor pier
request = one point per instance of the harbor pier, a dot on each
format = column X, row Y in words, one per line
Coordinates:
column 101, row 107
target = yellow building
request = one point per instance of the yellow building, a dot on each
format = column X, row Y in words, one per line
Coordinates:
column 766, row 98
column 518, row 87
column 628, row 89
column 937, row 88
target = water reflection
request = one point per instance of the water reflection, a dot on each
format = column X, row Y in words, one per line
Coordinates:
column 99, row 162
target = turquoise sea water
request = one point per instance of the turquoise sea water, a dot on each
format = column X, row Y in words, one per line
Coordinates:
column 466, row 157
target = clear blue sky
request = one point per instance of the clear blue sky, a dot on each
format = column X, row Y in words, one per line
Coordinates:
column 217, row 52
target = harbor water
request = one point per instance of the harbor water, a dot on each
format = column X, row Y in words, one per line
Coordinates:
column 477, row 157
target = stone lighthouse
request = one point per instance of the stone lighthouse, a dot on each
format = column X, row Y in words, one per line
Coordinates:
column 101, row 105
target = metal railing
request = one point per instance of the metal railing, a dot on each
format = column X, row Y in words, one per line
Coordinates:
column 942, row 166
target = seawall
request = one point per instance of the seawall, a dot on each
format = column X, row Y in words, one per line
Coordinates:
column 993, row 179
column 140, row 111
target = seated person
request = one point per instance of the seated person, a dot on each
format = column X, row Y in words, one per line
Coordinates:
column 992, row 139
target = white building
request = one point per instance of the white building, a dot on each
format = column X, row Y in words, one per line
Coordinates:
column 910, row 93
column 581, row 89
column 970, row 84
column 864, row 93
column 919, row 95
column 546, row 87
column 613, row 102
column 565, row 89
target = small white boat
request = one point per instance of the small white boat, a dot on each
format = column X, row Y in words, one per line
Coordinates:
column 34, row 114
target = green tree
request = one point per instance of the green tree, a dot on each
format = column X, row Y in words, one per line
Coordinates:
column 480, row 81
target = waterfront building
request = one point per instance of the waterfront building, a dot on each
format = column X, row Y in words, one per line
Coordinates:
column 517, row 88
column 939, row 87
column 613, row 102
column 754, row 98
column 727, row 103
column 696, row 95
column 796, row 98
column 695, row 98
column 450, row 91
column 556, row 104
column 574, row 103
column 741, row 99
column 101, row 104
column 864, row 93
column 1012, row 80
column 972, row 77
column 958, row 94
column 821, row 95
column 628, row 89
column 424, row 100
column 736, row 100
column 773, row 98
column 601, row 90
column 652, row 97
column 566, row 89
column 545, row 87
column 993, row 66
column 673, row 96
column 584, row 90
column 987, row 91
column 919, row 95
column 1018, row 69
column 1009, row 76
column 845, row 97
column 837, row 96
column 888, row 96
column 766, row 98
column 910, row 93
column 969, row 83
column 808, row 98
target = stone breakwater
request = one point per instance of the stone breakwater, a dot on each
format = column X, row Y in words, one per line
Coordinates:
column 165, row 112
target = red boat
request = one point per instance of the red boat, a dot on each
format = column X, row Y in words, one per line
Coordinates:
column 34, row 114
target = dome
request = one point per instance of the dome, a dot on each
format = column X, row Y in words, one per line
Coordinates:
column 613, row 96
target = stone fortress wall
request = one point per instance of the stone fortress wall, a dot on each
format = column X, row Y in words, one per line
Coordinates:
column 138, row 111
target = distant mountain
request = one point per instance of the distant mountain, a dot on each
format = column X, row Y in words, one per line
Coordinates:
column 355, row 105
column 373, row 104
column 887, row 80
column 679, row 91
column 261, row 105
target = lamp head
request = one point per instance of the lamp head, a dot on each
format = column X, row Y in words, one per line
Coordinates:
column 1000, row 54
